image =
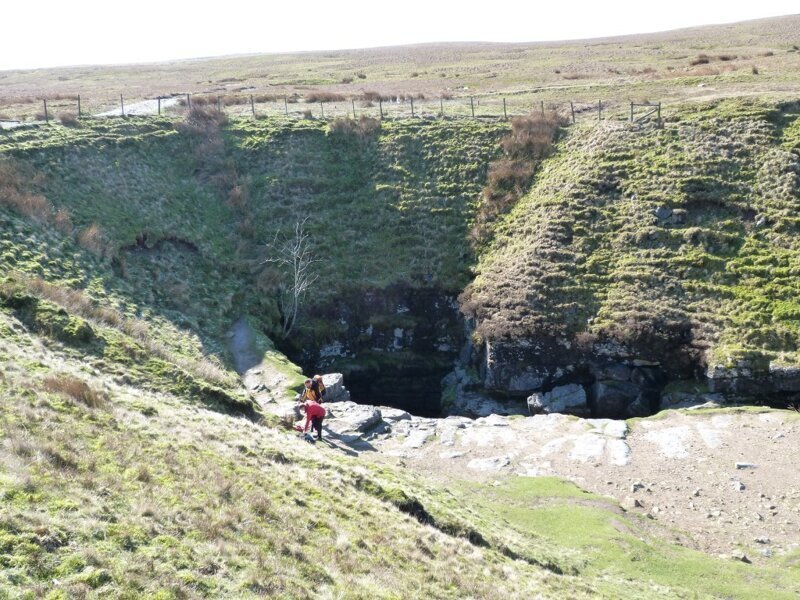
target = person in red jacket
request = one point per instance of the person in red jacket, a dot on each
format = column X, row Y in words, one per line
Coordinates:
column 314, row 416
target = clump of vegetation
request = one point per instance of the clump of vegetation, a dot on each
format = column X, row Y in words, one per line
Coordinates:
column 69, row 119
column 323, row 96
column 75, row 388
column 363, row 128
column 530, row 141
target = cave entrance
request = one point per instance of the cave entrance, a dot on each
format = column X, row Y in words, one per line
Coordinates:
column 412, row 383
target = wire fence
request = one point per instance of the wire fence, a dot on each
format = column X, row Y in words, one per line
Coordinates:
column 323, row 105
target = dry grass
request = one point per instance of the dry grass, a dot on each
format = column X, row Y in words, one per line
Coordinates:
column 93, row 240
column 323, row 96
column 363, row 128
column 530, row 141
column 75, row 388
column 69, row 119
column 79, row 303
column 14, row 179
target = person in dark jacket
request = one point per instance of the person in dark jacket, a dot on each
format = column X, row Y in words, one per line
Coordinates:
column 317, row 379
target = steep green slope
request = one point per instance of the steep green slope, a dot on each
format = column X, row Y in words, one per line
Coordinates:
column 112, row 491
column 676, row 244
column 389, row 207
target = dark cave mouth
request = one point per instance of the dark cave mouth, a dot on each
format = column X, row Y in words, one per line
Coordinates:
column 409, row 382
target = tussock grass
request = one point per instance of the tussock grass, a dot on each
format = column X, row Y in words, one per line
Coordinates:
column 530, row 141
column 75, row 388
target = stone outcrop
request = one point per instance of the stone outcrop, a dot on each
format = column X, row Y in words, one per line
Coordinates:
column 569, row 399
column 334, row 388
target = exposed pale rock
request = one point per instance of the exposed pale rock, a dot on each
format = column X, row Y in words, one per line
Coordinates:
column 570, row 399
column 495, row 463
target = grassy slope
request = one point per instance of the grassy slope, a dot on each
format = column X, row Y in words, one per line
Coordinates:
column 583, row 250
column 148, row 496
column 391, row 208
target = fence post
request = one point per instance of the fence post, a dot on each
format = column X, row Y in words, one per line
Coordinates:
column 659, row 113
column 505, row 113
column 631, row 112
column 353, row 100
column 572, row 110
column 121, row 105
column 380, row 106
column 541, row 106
column 79, row 106
column 219, row 110
column 472, row 106
column 188, row 101
column 441, row 107
column 322, row 108
column 159, row 106
column 252, row 106
column 599, row 110
column 412, row 106
column 46, row 116
column 286, row 105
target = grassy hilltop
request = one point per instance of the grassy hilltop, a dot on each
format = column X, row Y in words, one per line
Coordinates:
column 741, row 59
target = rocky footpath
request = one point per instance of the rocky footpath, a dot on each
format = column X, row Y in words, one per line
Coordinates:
column 723, row 477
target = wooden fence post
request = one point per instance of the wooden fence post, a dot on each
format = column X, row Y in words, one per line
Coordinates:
column 188, row 100
column 599, row 110
column 472, row 106
column 505, row 112
column 286, row 105
column 659, row 113
column 159, row 106
column 631, row 112
column 541, row 106
column 353, row 100
column 412, row 106
column 572, row 110
column 322, row 108
column 121, row 105
column 380, row 106
column 79, row 106
column 441, row 106
column 46, row 116
column 252, row 106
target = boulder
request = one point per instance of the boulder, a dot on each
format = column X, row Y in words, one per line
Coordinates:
column 334, row 388
column 570, row 399
column 663, row 212
column 349, row 416
column 473, row 404
column 612, row 398
column 784, row 378
column 641, row 407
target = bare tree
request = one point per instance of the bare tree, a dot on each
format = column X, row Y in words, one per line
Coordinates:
column 294, row 260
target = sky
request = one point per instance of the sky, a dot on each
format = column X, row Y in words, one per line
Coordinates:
column 49, row 33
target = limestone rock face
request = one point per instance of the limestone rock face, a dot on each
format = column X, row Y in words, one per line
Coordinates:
column 570, row 399
column 352, row 417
